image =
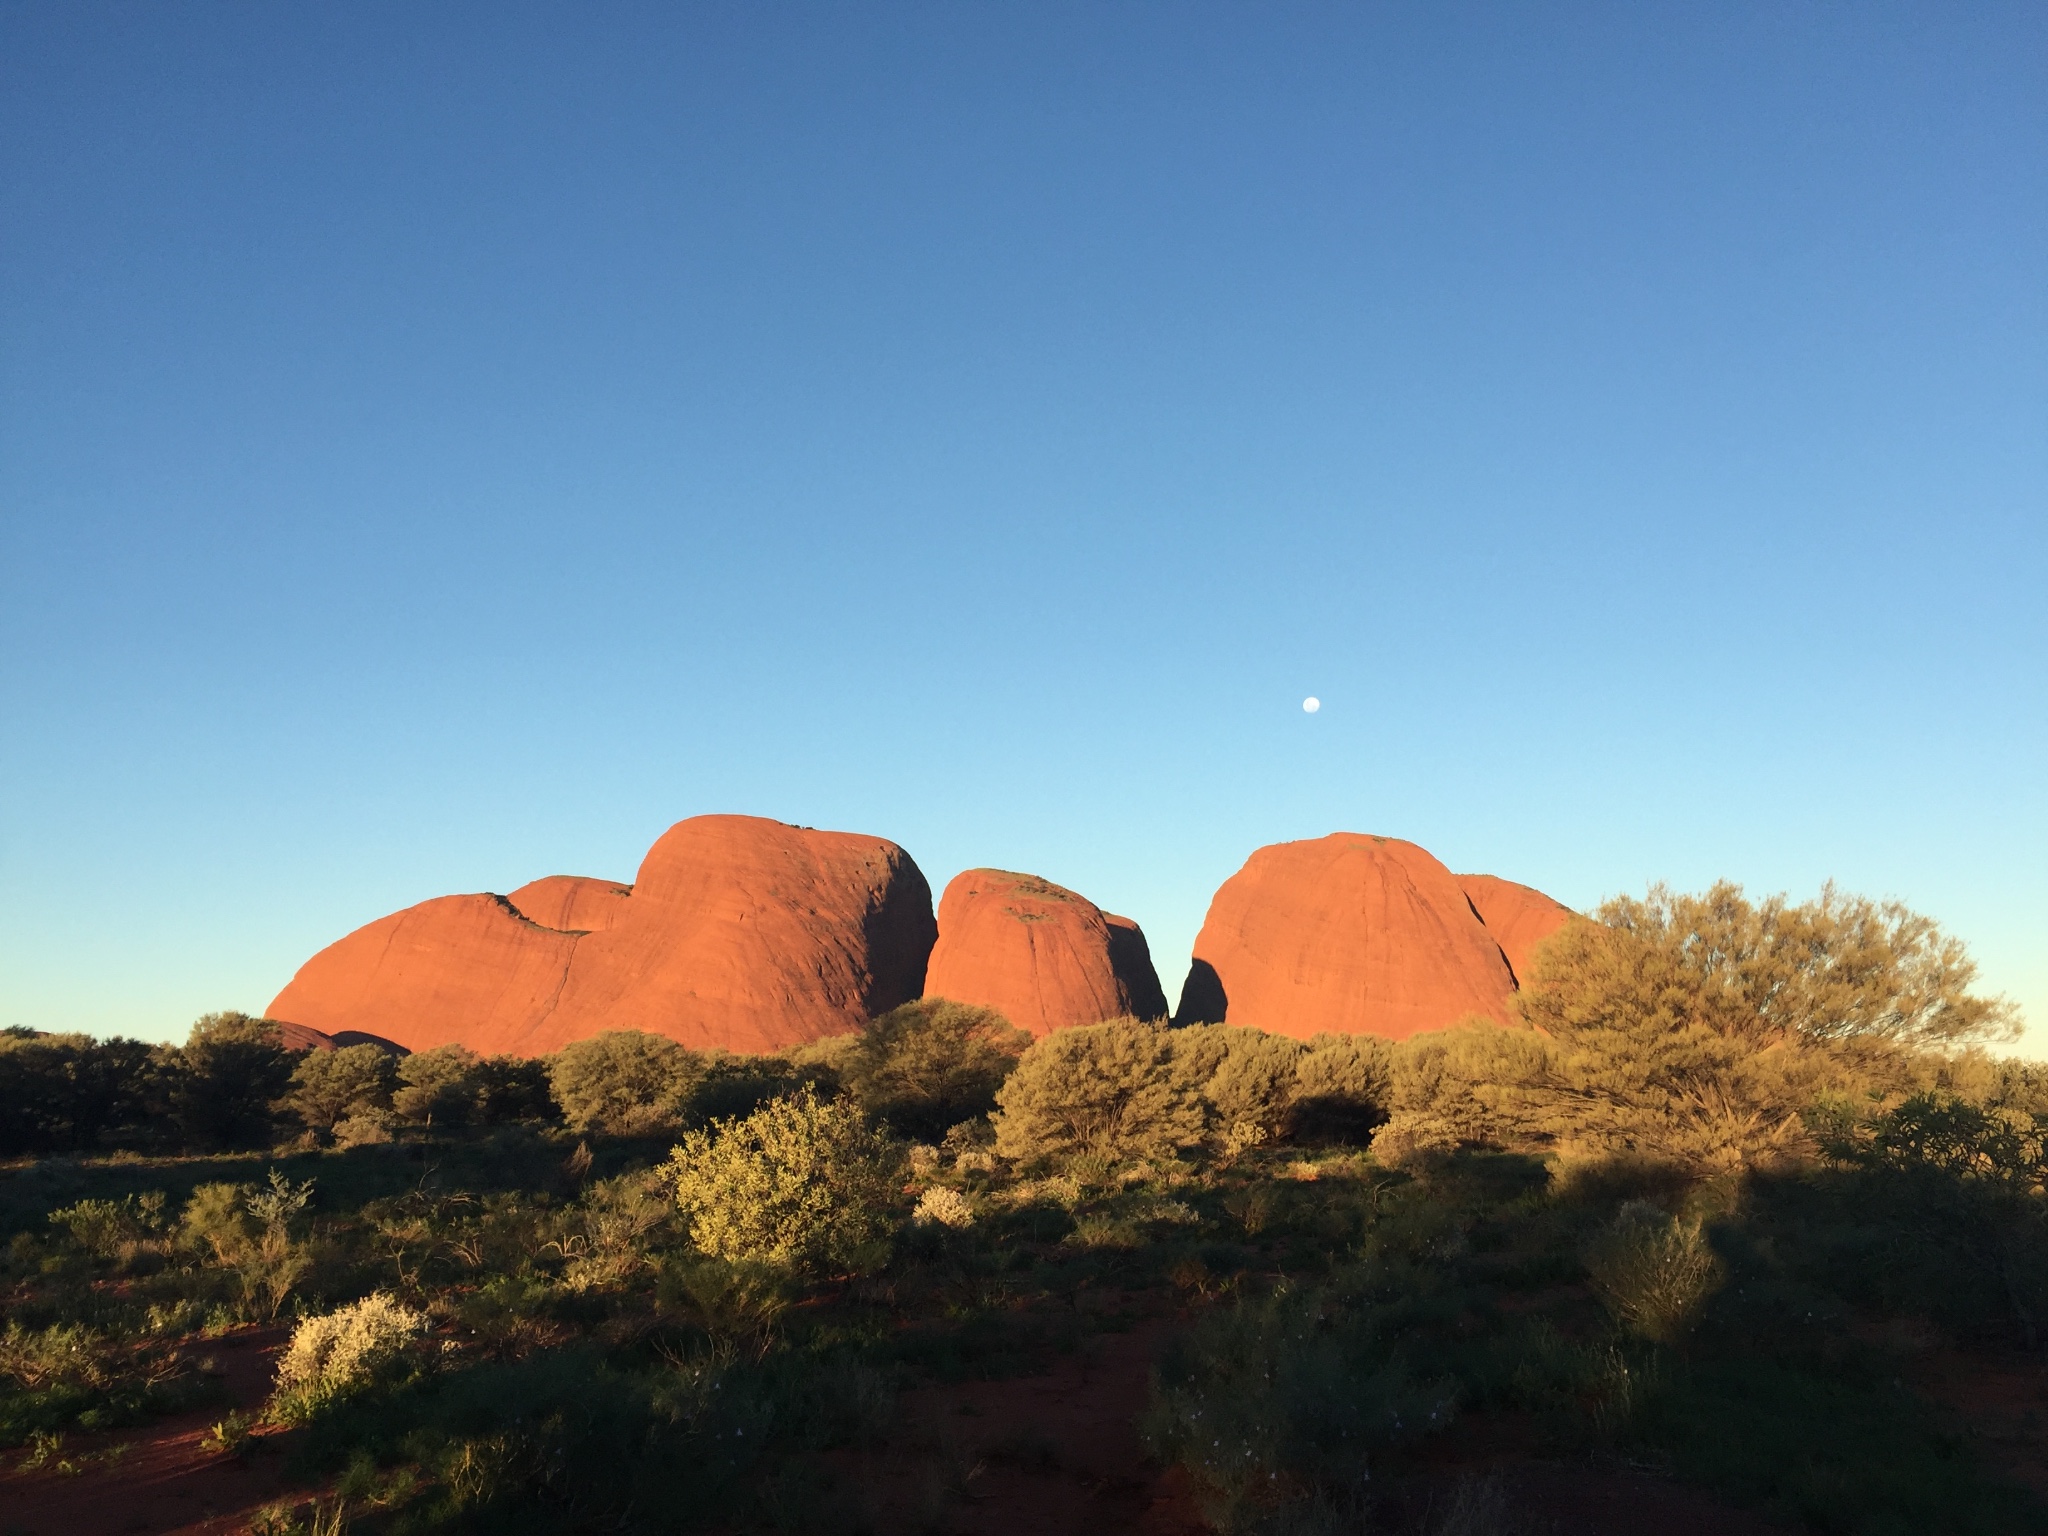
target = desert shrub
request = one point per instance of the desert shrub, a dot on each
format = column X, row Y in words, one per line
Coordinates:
column 1286, row 1401
column 940, row 1206
column 343, row 1351
column 1653, row 1271
column 72, row 1093
column 513, row 1088
column 800, row 1183
column 1111, row 1090
column 608, row 1235
column 1472, row 1086
column 223, row 1081
column 114, row 1229
column 1244, row 1077
column 733, row 1087
column 1695, row 1031
column 928, row 1065
column 438, row 1086
column 250, row 1233
column 735, row 1303
column 351, row 1082
column 1342, row 1087
column 624, row 1082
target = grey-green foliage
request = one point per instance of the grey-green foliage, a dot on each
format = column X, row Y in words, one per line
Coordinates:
column 625, row 1082
column 438, row 1087
column 1113, row 1090
column 331, row 1086
column 928, row 1065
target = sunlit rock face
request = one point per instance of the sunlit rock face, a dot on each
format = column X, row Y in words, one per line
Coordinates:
column 1519, row 917
column 1043, row 956
column 738, row 932
column 1352, row 934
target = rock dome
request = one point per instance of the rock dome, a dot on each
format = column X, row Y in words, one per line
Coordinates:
column 1518, row 916
column 1346, row 933
column 738, row 932
column 1041, row 955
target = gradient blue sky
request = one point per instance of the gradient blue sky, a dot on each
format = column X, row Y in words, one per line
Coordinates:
column 441, row 446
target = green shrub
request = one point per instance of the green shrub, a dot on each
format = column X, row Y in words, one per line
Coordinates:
column 1653, row 1271
column 928, row 1065
column 624, row 1083
column 250, row 1233
column 353, row 1081
column 114, row 1229
column 223, row 1081
column 1286, row 1402
column 72, row 1093
column 1343, row 1085
column 344, row 1351
column 799, row 1183
column 438, row 1087
column 1111, row 1090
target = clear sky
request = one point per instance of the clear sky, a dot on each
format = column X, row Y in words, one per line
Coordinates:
column 442, row 446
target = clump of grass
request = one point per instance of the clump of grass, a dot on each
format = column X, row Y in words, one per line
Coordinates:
column 342, row 1352
column 1653, row 1271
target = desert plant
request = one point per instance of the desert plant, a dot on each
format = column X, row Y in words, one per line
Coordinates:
column 1110, row 1090
column 624, row 1082
column 928, row 1065
column 940, row 1206
column 342, row 1352
column 1285, row 1401
column 341, row 1084
column 114, row 1229
column 1246, row 1079
column 437, row 1087
column 66, row 1093
column 608, row 1233
column 1653, row 1271
column 223, row 1081
column 249, row 1232
column 801, row 1183
column 736, row 1303
column 1343, row 1085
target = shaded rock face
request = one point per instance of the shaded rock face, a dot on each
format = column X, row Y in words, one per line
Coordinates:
column 1039, row 954
column 297, row 1037
column 1518, row 916
column 1346, row 933
column 738, row 933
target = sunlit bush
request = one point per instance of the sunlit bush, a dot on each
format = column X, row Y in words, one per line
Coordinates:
column 801, row 1183
column 343, row 1351
column 1112, row 1090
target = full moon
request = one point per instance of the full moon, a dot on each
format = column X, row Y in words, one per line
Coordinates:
column 1311, row 704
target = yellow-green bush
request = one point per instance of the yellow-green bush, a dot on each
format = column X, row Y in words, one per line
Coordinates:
column 624, row 1082
column 801, row 1183
column 928, row 1065
column 1112, row 1090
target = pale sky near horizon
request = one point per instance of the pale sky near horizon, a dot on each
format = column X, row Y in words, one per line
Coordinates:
column 442, row 446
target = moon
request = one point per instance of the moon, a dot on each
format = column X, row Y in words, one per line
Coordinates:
column 1311, row 704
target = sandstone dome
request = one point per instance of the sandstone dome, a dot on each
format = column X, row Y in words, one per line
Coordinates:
column 1043, row 956
column 738, row 932
column 1519, row 917
column 1348, row 933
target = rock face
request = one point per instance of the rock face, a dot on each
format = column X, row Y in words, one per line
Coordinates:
column 1347, row 933
column 738, row 933
column 1518, row 916
column 1041, row 955
column 573, row 903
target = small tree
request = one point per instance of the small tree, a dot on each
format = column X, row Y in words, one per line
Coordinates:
column 1110, row 1090
column 928, row 1065
column 224, row 1080
column 624, row 1082
column 801, row 1183
column 1343, row 1085
column 438, row 1087
column 331, row 1086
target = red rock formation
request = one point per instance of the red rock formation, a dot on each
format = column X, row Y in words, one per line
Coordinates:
column 1039, row 954
column 1518, row 916
column 1131, row 958
column 1349, row 933
column 297, row 1037
column 739, row 932
column 573, row 903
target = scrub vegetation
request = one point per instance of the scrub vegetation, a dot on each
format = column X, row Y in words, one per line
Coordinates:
column 1703, row 1209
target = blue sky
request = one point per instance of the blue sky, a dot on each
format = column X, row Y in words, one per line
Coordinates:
column 441, row 446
